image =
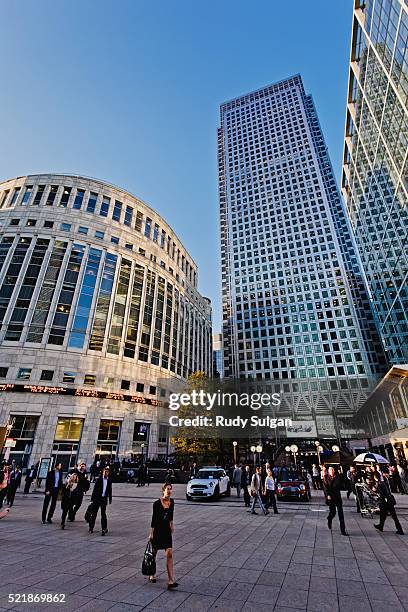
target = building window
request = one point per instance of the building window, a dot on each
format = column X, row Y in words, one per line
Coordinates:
column 83, row 308
column 125, row 385
column 26, row 195
column 83, row 230
column 148, row 227
column 140, row 387
column 49, row 224
column 108, row 380
column 89, row 379
column 47, row 375
column 68, row 429
column 15, row 222
column 117, row 209
column 155, row 233
column 69, row 377
column 128, row 216
column 79, row 198
column 65, row 227
column 15, row 195
column 31, row 222
column 39, row 194
column 104, row 210
column 3, row 372
column 65, row 197
column 115, row 239
column 52, row 195
column 90, row 207
column 4, row 198
column 163, row 434
column 24, row 373
column 152, row 390
column 139, row 221
column 99, row 234
column 129, row 246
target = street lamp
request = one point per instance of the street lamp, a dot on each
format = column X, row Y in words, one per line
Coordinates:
column 253, row 450
column 142, row 447
column 234, row 444
column 335, row 448
column 287, row 449
column 294, row 449
column 259, row 451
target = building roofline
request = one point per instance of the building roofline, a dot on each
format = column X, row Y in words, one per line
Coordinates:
column 260, row 89
column 107, row 184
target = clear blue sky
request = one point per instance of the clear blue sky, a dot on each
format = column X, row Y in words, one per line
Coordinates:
column 129, row 92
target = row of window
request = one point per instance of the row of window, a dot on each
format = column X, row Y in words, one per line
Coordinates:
column 104, row 206
column 87, row 379
column 100, row 235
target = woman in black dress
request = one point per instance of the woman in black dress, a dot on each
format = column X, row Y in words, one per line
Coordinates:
column 162, row 530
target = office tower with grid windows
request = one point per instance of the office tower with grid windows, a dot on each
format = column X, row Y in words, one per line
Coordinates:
column 295, row 309
column 375, row 163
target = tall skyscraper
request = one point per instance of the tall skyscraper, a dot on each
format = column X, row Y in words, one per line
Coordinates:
column 294, row 304
column 375, row 166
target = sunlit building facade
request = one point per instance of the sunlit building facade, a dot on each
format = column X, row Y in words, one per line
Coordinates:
column 375, row 165
column 295, row 309
column 99, row 316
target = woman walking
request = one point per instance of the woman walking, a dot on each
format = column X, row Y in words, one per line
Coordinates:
column 269, row 491
column 162, row 530
column 70, row 496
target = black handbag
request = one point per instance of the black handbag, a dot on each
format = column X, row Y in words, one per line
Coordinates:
column 149, row 561
column 89, row 513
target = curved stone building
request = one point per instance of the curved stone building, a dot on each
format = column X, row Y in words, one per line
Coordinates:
column 99, row 316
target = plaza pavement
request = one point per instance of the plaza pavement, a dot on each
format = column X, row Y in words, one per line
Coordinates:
column 225, row 559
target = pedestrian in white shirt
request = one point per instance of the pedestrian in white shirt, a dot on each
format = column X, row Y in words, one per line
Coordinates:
column 269, row 491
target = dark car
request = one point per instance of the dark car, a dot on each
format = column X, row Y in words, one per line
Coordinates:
column 294, row 487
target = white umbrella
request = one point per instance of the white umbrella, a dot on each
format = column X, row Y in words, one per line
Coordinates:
column 370, row 458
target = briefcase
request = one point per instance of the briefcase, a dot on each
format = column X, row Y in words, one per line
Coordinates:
column 89, row 513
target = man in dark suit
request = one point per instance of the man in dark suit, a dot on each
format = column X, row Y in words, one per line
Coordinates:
column 53, row 486
column 387, row 506
column 30, row 477
column 332, row 491
column 14, row 484
column 193, row 470
column 101, row 494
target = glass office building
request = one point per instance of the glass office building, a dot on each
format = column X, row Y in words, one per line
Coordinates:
column 295, row 309
column 375, row 164
column 100, row 316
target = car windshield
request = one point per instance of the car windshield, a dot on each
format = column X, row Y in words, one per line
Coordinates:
column 207, row 474
column 292, row 478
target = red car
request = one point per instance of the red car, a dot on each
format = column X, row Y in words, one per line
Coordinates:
column 294, row 487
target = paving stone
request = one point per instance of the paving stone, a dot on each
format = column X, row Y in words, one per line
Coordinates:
column 197, row 603
column 293, row 599
column 264, row 594
column 323, row 584
column 354, row 604
column 321, row 602
column 271, row 578
column 382, row 592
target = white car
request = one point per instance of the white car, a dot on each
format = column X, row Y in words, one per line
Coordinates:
column 210, row 483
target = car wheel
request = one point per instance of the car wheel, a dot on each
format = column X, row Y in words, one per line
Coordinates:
column 228, row 491
column 188, row 497
column 216, row 494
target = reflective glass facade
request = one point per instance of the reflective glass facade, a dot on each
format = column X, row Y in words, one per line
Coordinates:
column 375, row 165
